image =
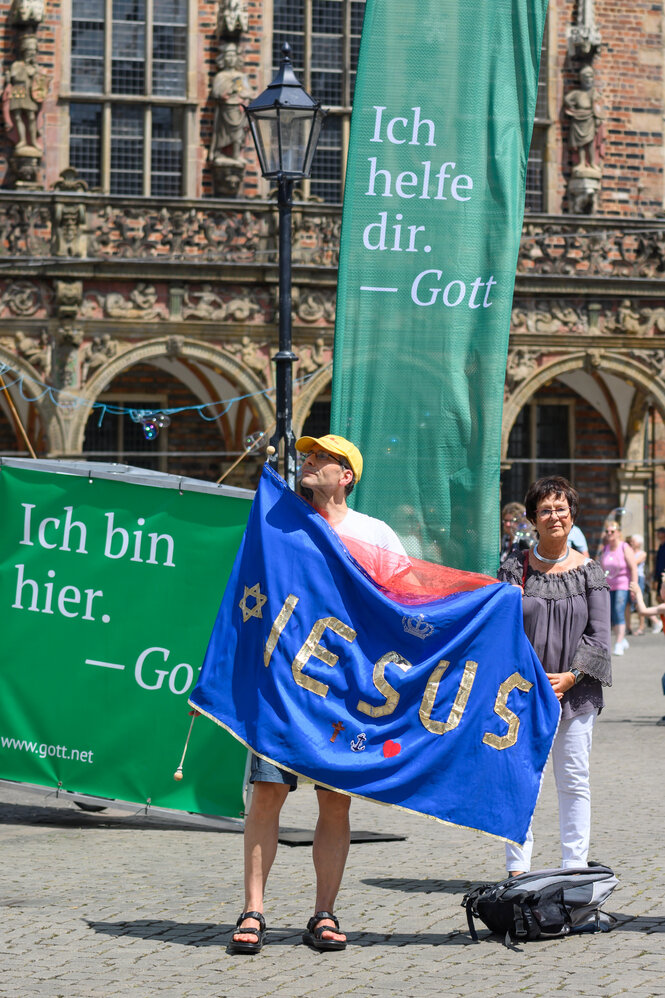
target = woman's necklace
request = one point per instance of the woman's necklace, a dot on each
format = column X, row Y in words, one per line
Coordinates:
column 550, row 561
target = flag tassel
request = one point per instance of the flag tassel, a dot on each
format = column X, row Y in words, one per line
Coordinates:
column 178, row 775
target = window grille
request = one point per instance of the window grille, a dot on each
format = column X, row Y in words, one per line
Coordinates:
column 324, row 36
column 128, row 112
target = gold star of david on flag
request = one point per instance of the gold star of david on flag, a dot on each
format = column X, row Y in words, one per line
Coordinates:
column 256, row 610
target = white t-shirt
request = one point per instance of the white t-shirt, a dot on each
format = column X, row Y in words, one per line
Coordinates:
column 370, row 530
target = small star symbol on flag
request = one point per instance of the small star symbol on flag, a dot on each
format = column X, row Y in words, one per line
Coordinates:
column 255, row 611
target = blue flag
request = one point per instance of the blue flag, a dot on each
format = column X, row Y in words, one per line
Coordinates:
column 440, row 707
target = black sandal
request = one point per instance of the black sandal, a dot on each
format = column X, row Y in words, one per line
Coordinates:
column 242, row 946
column 313, row 936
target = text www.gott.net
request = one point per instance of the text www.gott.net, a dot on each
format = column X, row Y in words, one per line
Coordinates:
column 43, row 750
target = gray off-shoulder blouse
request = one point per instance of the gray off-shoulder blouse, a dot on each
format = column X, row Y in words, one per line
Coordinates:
column 567, row 620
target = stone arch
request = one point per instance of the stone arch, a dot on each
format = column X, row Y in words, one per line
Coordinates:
column 308, row 396
column 626, row 368
column 50, row 414
column 204, row 353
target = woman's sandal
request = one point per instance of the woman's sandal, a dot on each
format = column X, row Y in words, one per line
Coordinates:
column 242, row 946
column 314, row 934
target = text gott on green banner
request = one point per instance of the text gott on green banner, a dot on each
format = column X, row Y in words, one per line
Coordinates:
column 109, row 590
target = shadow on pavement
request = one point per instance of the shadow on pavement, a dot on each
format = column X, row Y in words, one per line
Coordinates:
column 644, row 721
column 73, row 817
column 639, row 923
column 215, row 934
column 410, row 886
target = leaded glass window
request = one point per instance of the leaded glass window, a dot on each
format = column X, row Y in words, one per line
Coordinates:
column 324, row 36
column 535, row 169
column 129, row 100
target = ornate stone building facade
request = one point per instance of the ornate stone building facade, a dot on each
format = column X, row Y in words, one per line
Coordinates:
column 138, row 244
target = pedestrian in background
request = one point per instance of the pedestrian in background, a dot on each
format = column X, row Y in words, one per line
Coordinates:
column 513, row 516
column 656, row 612
column 618, row 561
column 636, row 542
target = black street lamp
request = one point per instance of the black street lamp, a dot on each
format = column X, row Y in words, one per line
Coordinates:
column 285, row 123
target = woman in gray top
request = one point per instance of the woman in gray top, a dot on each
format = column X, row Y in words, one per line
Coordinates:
column 566, row 606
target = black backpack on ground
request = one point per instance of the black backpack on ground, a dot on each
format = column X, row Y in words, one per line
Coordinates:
column 543, row 904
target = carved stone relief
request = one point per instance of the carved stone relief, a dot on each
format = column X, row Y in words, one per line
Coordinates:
column 521, row 364
column 584, row 36
column 141, row 303
column 636, row 322
column 207, row 304
column 548, row 318
column 255, row 356
column 69, row 235
column 68, row 298
column 65, row 373
column 96, row 353
column 35, row 349
column 69, row 180
column 655, row 359
column 24, row 299
column 311, row 358
column 26, row 13
column 314, row 306
column 232, row 18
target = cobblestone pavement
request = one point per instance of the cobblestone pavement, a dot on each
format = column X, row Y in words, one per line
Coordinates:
column 106, row 905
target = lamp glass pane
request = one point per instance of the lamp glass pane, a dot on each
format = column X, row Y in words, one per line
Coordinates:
column 313, row 141
column 295, row 127
column 267, row 142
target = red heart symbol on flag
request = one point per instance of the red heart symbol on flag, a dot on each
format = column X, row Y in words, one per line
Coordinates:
column 391, row 748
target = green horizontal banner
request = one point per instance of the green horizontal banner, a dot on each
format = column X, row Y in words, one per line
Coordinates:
column 109, row 591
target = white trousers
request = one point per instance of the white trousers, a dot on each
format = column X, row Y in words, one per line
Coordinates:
column 570, row 761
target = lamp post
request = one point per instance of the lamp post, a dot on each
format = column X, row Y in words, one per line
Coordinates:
column 285, row 123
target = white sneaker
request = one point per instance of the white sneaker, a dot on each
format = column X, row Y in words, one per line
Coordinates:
column 625, row 644
column 656, row 626
column 618, row 648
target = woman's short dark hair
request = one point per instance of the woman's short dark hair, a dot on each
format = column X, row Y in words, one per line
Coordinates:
column 554, row 485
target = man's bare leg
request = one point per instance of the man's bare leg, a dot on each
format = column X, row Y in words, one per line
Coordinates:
column 329, row 852
column 260, row 842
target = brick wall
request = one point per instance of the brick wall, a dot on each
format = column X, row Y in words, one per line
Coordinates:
column 189, row 432
column 629, row 84
column 596, row 482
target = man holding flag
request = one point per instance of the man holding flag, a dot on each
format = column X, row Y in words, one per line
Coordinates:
column 337, row 657
column 331, row 468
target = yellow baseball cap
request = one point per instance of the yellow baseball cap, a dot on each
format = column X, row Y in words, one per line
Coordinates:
column 339, row 446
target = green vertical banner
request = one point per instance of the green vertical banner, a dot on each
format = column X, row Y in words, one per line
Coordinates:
column 109, row 588
column 435, row 185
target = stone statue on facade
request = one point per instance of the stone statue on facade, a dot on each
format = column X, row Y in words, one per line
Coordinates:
column 233, row 18
column 26, row 12
column 24, row 92
column 585, row 123
column 585, row 141
column 231, row 91
column 97, row 353
column 69, row 235
column 584, row 36
column 35, row 349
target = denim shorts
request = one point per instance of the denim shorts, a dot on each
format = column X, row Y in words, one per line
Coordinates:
column 618, row 600
column 265, row 772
